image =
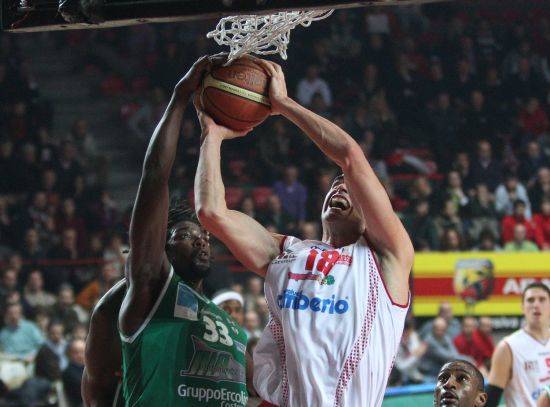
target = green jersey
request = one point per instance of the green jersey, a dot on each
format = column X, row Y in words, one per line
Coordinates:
column 188, row 352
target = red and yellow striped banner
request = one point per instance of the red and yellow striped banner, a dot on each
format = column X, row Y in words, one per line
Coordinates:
column 449, row 276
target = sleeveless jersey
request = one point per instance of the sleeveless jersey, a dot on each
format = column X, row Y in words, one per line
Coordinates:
column 187, row 352
column 118, row 400
column 333, row 331
column 530, row 369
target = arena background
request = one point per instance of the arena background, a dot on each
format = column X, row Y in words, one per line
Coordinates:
column 448, row 100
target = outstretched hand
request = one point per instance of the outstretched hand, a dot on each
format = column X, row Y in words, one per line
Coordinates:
column 277, row 85
column 210, row 127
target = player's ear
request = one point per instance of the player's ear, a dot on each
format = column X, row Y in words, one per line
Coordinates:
column 481, row 399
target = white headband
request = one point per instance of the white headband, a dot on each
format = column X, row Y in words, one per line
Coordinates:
column 228, row 296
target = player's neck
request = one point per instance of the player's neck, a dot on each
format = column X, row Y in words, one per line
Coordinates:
column 540, row 332
column 195, row 285
column 339, row 238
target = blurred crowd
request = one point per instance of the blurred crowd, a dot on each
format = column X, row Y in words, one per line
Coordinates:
column 449, row 102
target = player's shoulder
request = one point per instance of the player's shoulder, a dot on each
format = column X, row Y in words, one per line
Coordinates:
column 109, row 304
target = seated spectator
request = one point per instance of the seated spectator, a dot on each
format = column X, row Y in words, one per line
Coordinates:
column 276, row 216
column 292, row 193
column 66, row 310
column 67, row 249
column 56, row 342
column 508, row 193
column 451, row 241
column 19, row 337
column 483, row 337
column 520, row 242
column 449, row 218
column 421, row 227
column 466, row 345
column 91, row 293
column 34, row 293
column 72, row 375
column 482, row 213
column 542, row 223
column 311, row 84
column 485, row 168
column 309, row 231
column 32, row 249
column 410, row 353
column 487, row 242
column 8, row 283
column 533, row 118
column 440, row 349
column 540, row 189
column 115, row 253
column 519, row 217
column 254, row 290
column 533, row 160
column 446, row 312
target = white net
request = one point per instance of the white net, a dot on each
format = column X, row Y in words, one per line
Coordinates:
column 262, row 34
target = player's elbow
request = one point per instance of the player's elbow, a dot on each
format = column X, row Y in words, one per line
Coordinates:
column 209, row 216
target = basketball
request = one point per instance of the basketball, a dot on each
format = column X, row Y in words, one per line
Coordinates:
column 236, row 96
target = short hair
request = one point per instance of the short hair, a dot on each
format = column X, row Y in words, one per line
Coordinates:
column 470, row 366
column 180, row 211
column 537, row 284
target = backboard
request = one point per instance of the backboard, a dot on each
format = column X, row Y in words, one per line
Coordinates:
column 42, row 15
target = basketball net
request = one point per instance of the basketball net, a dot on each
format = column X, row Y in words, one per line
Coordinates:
column 262, row 34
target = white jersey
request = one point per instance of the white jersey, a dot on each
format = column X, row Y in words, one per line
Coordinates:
column 530, row 369
column 333, row 331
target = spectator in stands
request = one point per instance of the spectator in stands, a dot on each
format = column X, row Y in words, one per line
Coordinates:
column 66, row 310
column 231, row 302
column 34, row 293
column 276, row 216
column 312, row 84
column 19, row 337
column 519, row 217
column 143, row 122
column 8, row 166
column 444, row 122
column 487, row 242
column 254, row 288
column 485, row 169
column 520, row 242
column 8, row 283
column 508, row 193
column 67, row 167
column 466, row 343
column 533, row 160
column 451, row 240
column 446, row 312
column 541, row 188
column 542, row 223
column 72, row 375
column 484, row 341
column 459, row 383
column 68, row 218
column 421, row 227
column 37, row 216
column 66, row 250
column 449, row 218
column 309, row 231
column 28, row 175
column 116, row 253
column 32, row 248
column 410, row 353
column 292, row 193
column 56, row 342
column 454, row 190
column 91, row 293
column 7, row 238
column 482, row 213
column 440, row 349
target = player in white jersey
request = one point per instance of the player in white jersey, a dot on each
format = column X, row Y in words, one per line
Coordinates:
column 338, row 305
column 521, row 362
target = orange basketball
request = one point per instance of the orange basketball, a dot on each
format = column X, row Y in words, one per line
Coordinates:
column 236, row 96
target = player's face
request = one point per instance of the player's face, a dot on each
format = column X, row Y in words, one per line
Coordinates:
column 235, row 309
column 189, row 245
column 338, row 204
column 536, row 306
column 457, row 386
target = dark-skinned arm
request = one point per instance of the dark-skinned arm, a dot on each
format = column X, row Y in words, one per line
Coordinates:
column 147, row 265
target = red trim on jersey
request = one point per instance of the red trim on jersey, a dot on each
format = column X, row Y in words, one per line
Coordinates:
column 282, row 244
column 379, row 269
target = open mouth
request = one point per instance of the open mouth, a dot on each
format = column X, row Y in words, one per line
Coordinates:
column 339, row 202
column 449, row 398
column 203, row 255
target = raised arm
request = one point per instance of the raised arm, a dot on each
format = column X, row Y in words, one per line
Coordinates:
column 383, row 227
column 249, row 241
column 147, row 265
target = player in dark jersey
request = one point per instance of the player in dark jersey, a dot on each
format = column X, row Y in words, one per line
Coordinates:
column 178, row 348
column 101, row 380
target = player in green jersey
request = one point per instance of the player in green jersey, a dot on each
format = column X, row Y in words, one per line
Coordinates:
column 101, row 380
column 178, row 348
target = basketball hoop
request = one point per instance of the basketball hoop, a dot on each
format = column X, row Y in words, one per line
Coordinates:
column 262, row 34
